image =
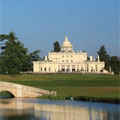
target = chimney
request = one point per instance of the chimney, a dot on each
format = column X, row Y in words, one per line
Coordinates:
column 98, row 58
column 91, row 58
column 46, row 58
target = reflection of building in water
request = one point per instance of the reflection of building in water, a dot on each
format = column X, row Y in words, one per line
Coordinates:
column 55, row 112
column 97, row 115
column 13, row 106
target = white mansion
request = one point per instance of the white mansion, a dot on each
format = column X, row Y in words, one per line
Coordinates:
column 68, row 61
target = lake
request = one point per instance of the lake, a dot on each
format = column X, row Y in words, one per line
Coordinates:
column 35, row 109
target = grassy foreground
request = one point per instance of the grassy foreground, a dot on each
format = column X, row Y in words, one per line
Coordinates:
column 89, row 85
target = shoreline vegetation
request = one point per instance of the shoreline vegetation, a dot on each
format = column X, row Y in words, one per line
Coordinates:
column 82, row 98
column 81, row 87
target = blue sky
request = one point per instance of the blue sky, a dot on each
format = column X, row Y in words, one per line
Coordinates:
column 88, row 24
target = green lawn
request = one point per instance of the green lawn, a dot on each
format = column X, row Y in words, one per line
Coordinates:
column 71, row 84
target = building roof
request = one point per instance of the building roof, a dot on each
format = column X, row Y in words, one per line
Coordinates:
column 66, row 43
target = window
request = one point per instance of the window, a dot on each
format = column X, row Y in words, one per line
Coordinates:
column 71, row 60
column 81, row 68
column 63, row 56
column 67, row 61
column 62, row 60
column 44, row 69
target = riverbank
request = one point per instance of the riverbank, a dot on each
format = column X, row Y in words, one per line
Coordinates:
column 87, row 85
column 82, row 98
column 98, row 99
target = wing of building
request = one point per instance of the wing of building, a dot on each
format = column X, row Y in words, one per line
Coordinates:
column 68, row 61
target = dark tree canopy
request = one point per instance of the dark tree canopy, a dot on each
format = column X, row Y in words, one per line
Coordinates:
column 13, row 57
column 28, row 64
column 115, row 64
column 110, row 61
column 104, row 56
column 102, row 53
column 2, row 39
column 56, row 46
column 35, row 55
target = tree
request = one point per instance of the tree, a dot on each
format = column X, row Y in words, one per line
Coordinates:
column 13, row 57
column 3, row 38
column 115, row 64
column 104, row 56
column 35, row 55
column 56, row 46
column 28, row 64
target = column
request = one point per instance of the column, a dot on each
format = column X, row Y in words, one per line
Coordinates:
column 75, row 68
column 43, row 69
column 70, row 68
column 85, row 68
column 39, row 67
column 65, row 68
column 47, row 69
column 89, row 68
column 60, row 67
column 98, row 58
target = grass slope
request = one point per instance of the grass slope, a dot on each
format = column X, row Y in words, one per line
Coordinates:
column 71, row 84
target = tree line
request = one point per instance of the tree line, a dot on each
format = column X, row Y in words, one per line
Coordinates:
column 15, row 58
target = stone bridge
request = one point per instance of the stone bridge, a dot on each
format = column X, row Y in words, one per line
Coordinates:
column 22, row 91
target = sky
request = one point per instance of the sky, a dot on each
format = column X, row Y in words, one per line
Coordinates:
column 89, row 24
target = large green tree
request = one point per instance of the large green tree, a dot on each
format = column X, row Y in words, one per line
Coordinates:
column 56, row 46
column 13, row 57
column 104, row 56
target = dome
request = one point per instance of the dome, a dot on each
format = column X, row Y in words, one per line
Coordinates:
column 66, row 43
column 66, row 46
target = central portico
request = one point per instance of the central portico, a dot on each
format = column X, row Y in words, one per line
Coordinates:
column 67, row 61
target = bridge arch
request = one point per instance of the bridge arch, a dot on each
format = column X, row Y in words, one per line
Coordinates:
column 9, row 93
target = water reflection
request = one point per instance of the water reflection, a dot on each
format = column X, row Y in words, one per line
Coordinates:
column 21, row 109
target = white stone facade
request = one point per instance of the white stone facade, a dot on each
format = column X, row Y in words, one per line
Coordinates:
column 68, row 61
